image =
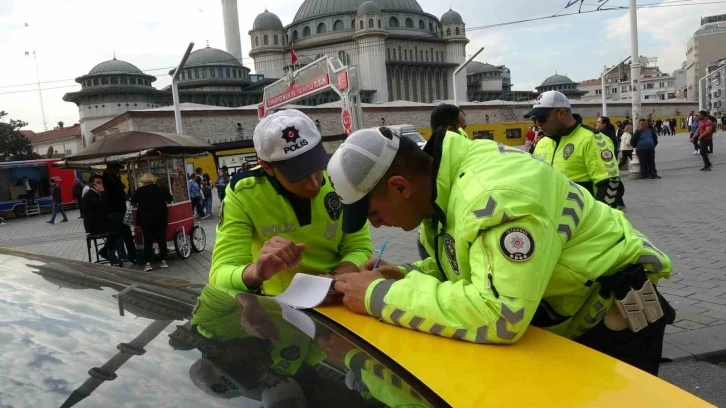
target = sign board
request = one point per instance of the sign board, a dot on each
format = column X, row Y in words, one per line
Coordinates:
column 316, row 77
column 347, row 121
column 297, row 91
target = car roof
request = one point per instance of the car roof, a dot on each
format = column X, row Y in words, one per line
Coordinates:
column 541, row 369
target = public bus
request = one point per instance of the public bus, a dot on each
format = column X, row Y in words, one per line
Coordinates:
column 13, row 190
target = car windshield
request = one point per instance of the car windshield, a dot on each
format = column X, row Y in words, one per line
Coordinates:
column 415, row 136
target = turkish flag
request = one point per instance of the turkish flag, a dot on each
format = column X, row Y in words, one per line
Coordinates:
column 293, row 56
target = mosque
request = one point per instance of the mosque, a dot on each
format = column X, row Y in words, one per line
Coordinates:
column 401, row 51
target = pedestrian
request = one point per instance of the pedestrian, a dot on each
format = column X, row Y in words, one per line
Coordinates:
column 195, row 194
column 57, row 199
column 29, row 190
column 691, row 119
column 604, row 126
column 693, row 133
column 674, row 128
column 626, row 149
column 704, row 137
column 77, row 195
column 529, row 138
column 645, row 140
column 284, row 217
column 319, row 126
column 207, row 193
column 723, row 121
column 115, row 192
column 222, row 182
column 152, row 215
column 383, row 121
column 96, row 220
column 659, row 127
column 715, row 129
column 495, row 216
column 581, row 153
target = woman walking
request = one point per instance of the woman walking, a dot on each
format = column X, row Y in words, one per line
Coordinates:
column 152, row 215
column 626, row 148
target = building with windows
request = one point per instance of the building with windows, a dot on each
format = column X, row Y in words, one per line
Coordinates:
column 402, row 52
column 487, row 82
column 562, row 84
column 59, row 142
column 706, row 46
column 716, row 87
column 655, row 85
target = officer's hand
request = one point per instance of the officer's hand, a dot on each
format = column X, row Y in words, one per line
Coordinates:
column 276, row 255
column 368, row 265
column 386, row 269
column 353, row 286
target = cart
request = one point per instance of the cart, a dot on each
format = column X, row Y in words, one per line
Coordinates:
column 162, row 154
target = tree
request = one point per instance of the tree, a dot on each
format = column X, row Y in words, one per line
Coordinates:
column 13, row 144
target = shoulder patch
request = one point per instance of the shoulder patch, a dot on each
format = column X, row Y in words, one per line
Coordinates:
column 249, row 174
column 606, row 155
column 517, row 244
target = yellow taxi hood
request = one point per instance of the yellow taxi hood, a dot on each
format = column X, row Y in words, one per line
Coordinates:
column 541, row 370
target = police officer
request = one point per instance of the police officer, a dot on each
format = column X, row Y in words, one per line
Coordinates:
column 580, row 152
column 284, row 217
column 513, row 243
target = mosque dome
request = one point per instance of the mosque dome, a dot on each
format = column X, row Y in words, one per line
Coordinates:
column 211, row 56
column 317, row 8
column 452, row 17
column 114, row 66
column 267, row 21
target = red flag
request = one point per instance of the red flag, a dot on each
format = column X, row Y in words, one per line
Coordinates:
column 293, row 56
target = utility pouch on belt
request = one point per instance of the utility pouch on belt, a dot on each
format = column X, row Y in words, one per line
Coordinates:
column 631, row 308
column 638, row 307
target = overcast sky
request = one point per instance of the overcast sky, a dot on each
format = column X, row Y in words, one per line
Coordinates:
column 71, row 36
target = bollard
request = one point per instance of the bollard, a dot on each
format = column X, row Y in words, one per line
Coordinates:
column 634, row 168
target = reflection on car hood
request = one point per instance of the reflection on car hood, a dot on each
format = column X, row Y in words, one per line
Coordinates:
column 63, row 341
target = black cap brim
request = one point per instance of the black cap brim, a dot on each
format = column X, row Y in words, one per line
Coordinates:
column 538, row 111
column 355, row 216
column 297, row 168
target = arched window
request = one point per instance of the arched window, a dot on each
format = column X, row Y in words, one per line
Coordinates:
column 204, row 73
column 448, row 32
column 361, row 25
column 196, row 74
column 213, row 72
column 104, row 81
column 294, row 35
column 370, row 23
column 123, row 80
column 257, row 41
column 388, row 53
column 132, row 81
column 321, row 29
column 352, row 24
column 306, row 32
column 394, row 53
column 229, row 74
column 114, row 81
column 379, row 23
column 234, row 73
column 276, row 40
column 421, row 25
column 393, row 22
column 457, row 30
column 338, row 25
column 265, row 40
column 221, row 73
column 431, row 27
column 404, row 54
column 409, row 22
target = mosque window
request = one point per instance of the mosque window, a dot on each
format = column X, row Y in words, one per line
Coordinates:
column 257, row 41
column 379, row 23
column 306, row 32
column 394, row 54
column 352, row 25
column 104, row 81
column 204, row 73
column 409, row 22
column 361, row 24
column 276, row 40
column 221, row 73
column 234, row 73
column 457, row 30
column 294, row 35
column 123, row 81
column 393, row 22
column 431, row 27
column 370, row 23
column 321, row 29
column 448, row 32
column 114, row 81
column 338, row 25
column 229, row 74
column 213, row 72
column 132, row 81
column 421, row 25
column 196, row 74
column 265, row 40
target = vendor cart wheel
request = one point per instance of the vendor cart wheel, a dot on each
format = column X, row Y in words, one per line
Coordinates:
column 198, row 238
column 181, row 244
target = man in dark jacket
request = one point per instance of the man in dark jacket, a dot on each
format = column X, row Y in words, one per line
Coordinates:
column 645, row 140
column 116, row 195
column 55, row 193
column 94, row 206
column 152, row 215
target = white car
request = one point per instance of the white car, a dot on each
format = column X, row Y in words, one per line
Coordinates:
column 409, row 132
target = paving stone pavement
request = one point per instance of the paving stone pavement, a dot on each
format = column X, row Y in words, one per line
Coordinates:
column 683, row 214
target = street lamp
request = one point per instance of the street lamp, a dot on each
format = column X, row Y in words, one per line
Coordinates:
column 175, row 89
column 602, row 84
column 462, row 66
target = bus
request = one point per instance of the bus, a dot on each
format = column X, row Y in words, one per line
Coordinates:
column 13, row 190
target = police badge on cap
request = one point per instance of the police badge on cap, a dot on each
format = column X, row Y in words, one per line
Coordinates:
column 333, row 206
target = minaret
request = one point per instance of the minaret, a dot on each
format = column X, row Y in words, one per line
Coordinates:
column 454, row 32
column 232, row 37
column 370, row 38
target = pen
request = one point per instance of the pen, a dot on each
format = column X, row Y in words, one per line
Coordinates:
column 380, row 252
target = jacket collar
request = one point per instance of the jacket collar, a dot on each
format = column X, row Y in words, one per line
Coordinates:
column 301, row 206
column 448, row 152
column 570, row 130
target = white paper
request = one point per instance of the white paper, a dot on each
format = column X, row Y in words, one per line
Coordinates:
column 305, row 291
column 299, row 320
